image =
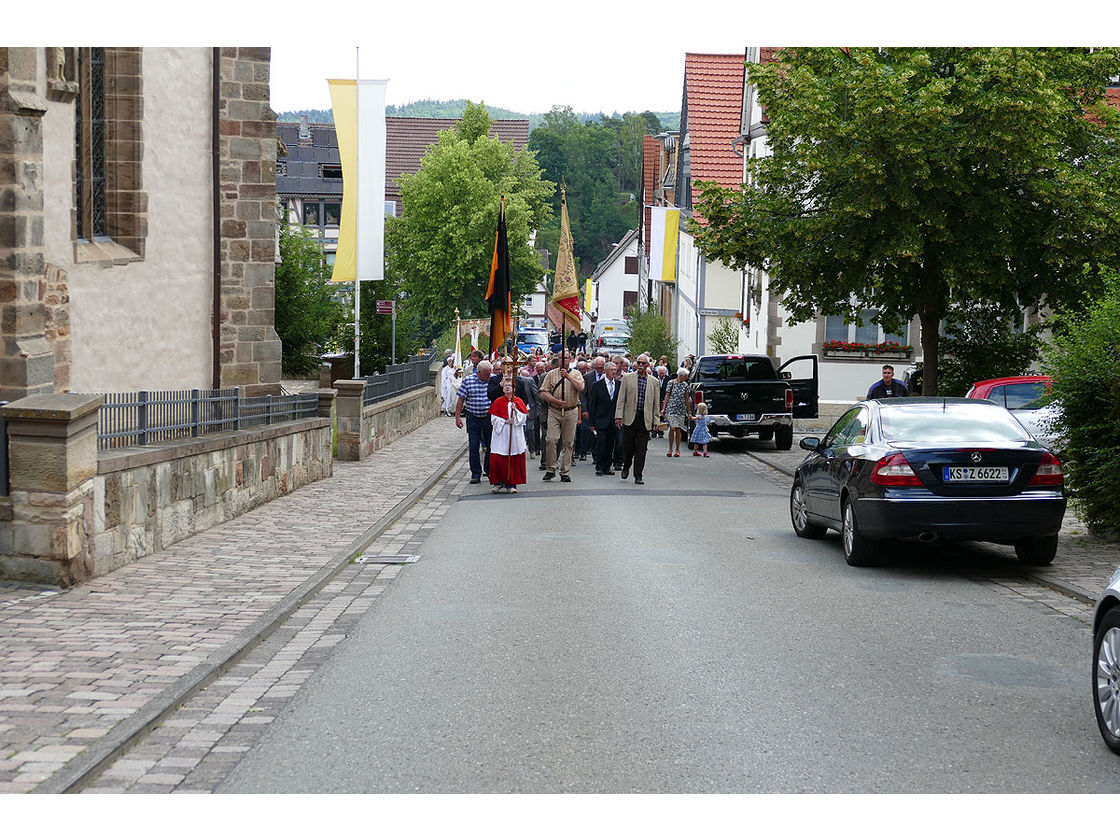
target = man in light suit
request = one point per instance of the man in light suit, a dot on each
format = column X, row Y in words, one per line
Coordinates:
column 601, row 402
column 636, row 414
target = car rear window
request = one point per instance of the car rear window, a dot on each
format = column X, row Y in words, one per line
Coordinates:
column 718, row 370
column 1020, row 395
column 949, row 423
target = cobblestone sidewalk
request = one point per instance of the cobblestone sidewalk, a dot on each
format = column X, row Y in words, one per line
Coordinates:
column 1083, row 565
column 84, row 671
column 195, row 747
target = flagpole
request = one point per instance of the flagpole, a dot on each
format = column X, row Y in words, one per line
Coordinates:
column 358, row 231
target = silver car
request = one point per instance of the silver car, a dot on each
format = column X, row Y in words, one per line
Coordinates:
column 1106, row 663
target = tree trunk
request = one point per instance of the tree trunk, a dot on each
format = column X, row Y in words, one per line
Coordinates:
column 929, row 316
column 931, row 339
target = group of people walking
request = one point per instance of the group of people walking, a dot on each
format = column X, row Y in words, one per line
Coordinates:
column 607, row 407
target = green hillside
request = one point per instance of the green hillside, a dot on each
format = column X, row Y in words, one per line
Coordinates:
column 670, row 121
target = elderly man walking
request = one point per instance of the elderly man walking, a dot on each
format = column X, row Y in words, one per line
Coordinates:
column 560, row 390
column 474, row 399
column 636, row 414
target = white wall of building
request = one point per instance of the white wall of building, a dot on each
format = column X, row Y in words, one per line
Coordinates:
column 145, row 324
column 612, row 281
column 686, row 321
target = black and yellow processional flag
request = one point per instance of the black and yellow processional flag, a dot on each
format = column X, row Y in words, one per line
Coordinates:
column 498, row 291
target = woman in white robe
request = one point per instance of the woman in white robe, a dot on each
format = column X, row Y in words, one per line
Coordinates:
column 447, row 386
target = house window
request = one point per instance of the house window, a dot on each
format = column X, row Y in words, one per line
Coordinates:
column 330, row 170
column 870, row 333
column 332, row 213
column 89, row 140
column 311, row 212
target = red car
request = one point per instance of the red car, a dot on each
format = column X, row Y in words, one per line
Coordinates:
column 1023, row 397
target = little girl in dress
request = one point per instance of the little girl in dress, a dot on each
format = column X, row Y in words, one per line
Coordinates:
column 700, row 434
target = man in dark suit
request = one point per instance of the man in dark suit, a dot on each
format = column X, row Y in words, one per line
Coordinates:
column 664, row 380
column 601, row 405
column 494, row 387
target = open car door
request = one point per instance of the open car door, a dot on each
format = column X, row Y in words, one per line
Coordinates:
column 803, row 376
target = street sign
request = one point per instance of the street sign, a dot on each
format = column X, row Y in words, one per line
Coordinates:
column 385, row 307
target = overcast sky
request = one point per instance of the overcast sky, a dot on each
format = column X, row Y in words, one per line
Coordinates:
column 613, row 55
column 528, row 55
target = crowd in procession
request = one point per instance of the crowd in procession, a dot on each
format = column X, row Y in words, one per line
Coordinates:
column 562, row 408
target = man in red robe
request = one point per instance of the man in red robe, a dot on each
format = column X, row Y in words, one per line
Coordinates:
column 508, row 416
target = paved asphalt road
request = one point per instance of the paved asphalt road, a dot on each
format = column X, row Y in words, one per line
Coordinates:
column 678, row 637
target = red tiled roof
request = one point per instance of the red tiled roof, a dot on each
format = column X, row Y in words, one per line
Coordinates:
column 408, row 138
column 713, row 86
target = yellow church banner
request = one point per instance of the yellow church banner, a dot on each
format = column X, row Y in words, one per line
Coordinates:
column 664, row 227
column 359, row 123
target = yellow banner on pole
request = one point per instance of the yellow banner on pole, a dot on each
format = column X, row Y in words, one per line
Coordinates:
column 565, row 286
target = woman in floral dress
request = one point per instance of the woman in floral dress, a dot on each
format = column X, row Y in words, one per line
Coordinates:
column 676, row 410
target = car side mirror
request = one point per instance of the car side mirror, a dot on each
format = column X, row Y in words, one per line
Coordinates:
column 786, row 374
column 812, row 444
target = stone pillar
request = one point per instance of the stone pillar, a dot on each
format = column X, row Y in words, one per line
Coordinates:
column 326, row 401
column 350, row 432
column 250, row 353
column 26, row 359
column 52, row 440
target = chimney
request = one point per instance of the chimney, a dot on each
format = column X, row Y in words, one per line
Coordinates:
column 304, row 131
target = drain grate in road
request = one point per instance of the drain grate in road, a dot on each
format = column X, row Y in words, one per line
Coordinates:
column 387, row 559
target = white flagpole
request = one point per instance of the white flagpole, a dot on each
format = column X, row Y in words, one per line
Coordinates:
column 357, row 229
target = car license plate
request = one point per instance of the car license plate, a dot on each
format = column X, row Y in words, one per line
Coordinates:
column 966, row 474
column 745, row 418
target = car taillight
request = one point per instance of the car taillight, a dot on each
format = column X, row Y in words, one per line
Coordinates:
column 1049, row 472
column 698, row 397
column 895, row 471
column 789, row 399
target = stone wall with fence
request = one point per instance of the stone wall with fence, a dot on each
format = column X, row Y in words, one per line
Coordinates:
column 363, row 429
column 74, row 513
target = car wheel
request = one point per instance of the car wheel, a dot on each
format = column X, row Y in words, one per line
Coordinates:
column 766, row 434
column 1106, row 678
column 858, row 550
column 799, row 515
column 783, row 437
column 1038, row 551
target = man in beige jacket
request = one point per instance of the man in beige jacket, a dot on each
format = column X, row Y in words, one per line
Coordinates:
column 636, row 412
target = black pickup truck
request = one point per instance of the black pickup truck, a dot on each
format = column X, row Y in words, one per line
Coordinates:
column 746, row 396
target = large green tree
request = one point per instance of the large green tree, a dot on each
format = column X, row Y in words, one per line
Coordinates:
column 439, row 249
column 909, row 180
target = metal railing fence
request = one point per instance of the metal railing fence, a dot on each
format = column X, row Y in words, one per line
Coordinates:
column 399, row 379
column 147, row 417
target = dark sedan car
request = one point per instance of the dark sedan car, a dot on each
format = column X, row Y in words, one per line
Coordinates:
column 929, row 468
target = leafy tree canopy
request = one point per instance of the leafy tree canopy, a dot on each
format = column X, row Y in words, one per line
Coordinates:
column 441, row 246
column 308, row 315
column 907, row 180
column 600, row 162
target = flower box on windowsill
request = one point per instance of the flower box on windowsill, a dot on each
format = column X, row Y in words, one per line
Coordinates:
column 867, row 354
